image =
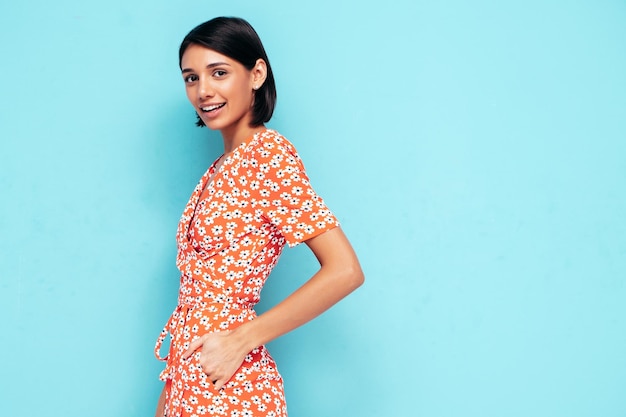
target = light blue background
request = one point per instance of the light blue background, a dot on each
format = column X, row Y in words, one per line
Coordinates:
column 474, row 151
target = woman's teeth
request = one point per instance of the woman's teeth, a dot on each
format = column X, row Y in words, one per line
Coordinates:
column 211, row 108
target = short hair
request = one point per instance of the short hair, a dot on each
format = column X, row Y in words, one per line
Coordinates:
column 237, row 39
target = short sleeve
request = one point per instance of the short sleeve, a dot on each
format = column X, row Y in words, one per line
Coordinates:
column 280, row 190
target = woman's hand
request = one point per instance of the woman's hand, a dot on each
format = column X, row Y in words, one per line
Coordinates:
column 221, row 354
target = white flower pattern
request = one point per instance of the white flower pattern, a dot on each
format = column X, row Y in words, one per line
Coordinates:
column 230, row 237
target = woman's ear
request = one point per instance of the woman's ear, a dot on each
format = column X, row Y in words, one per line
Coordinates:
column 259, row 74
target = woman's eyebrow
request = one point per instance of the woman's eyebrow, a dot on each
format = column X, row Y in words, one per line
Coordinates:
column 212, row 65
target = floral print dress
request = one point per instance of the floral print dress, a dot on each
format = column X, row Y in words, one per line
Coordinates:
column 230, row 236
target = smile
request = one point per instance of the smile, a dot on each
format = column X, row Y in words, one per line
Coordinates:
column 212, row 108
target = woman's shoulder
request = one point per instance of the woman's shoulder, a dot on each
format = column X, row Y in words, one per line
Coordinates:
column 272, row 142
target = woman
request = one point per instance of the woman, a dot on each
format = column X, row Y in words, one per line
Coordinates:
column 253, row 200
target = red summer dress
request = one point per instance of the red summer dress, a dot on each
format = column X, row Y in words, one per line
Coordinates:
column 230, row 236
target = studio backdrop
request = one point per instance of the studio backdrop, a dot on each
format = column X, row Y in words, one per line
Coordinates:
column 474, row 152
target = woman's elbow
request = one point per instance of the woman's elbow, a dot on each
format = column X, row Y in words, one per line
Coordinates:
column 354, row 277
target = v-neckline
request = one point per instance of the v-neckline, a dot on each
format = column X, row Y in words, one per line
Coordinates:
column 215, row 170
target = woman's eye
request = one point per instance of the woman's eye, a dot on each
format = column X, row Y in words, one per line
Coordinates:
column 219, row 73
column 191, row 78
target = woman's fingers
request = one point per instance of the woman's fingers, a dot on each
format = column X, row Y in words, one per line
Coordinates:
column 219, row 358
column 193, row 346
column 219, row 383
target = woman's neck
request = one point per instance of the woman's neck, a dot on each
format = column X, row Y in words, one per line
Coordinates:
column 235, row 137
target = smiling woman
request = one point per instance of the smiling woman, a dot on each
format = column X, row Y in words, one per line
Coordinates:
column 239, row 44
column 252, row 201
column 221, row 89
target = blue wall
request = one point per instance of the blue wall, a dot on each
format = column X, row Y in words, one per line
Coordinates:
column 474, row 151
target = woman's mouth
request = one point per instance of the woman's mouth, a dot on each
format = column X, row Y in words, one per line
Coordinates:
column 212, row 108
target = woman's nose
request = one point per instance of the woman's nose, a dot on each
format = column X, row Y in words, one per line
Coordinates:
column 205, row 89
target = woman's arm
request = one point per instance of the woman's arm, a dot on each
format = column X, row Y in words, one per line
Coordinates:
column 339, row 275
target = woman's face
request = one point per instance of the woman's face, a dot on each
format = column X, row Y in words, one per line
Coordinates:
column 220, row 88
